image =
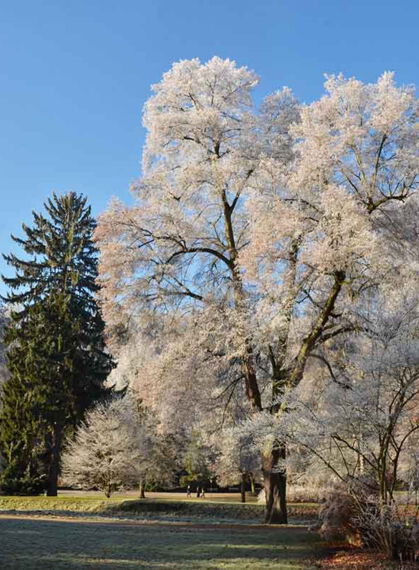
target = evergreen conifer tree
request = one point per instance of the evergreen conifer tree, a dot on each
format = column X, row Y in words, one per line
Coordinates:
column 4, row 319
column 56, row 357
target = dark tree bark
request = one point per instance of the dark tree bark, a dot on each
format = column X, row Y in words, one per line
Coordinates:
column 275, row 483
column 243, row 488
column 142, row 492
column 53, row 461
column 273, row 464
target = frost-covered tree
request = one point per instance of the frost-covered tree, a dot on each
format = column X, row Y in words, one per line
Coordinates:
column 238, row 461
column 104, row 453
column 258, row 227
column 203, row 147
column 159, row 458
column 117, row 447
column 362, row 424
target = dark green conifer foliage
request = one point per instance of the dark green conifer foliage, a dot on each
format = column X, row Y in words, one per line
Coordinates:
column 4, row 319
column 56, row 355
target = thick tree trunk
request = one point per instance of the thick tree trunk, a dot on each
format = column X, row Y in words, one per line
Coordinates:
column 275, row 482
column 52, row 487
column 142, row 492
column 243, row 488
column 53, row 462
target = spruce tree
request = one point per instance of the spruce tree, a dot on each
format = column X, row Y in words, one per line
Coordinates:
column 37, row 398
column 57, row 359
column 4, row 319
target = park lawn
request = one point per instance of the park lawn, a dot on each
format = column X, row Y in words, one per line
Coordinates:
column 60, row 503
column 30, row 543
column 158, row 505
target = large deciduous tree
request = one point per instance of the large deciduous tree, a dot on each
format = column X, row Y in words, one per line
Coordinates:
column 56, row 357
column 323, row 242
column 258, row 226
column 363, row 426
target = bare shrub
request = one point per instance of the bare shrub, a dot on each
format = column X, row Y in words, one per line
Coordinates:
column 337, row 517
column 308, row 493
column 353, row 513
column 391, row 530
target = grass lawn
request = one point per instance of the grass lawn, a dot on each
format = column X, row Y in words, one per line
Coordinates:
column 164, row 531
column 29, row 543
column 162, row 506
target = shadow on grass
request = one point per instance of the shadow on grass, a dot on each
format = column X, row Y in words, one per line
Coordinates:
column 150, row 509
column 29, row 544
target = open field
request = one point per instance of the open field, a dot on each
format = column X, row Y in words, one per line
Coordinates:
column 29, row 543
column 158, row 506
column 166, row 530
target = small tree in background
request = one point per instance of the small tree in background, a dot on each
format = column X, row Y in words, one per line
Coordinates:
column 238, row 460
column 196, row 460
column 117, row 447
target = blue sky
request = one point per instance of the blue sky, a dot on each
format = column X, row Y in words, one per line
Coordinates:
column 76, row 73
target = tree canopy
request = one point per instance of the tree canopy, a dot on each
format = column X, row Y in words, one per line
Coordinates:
column 254, row 230
column 56, row 358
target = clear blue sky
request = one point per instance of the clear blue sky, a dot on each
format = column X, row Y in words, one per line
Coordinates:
column 76, row 73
